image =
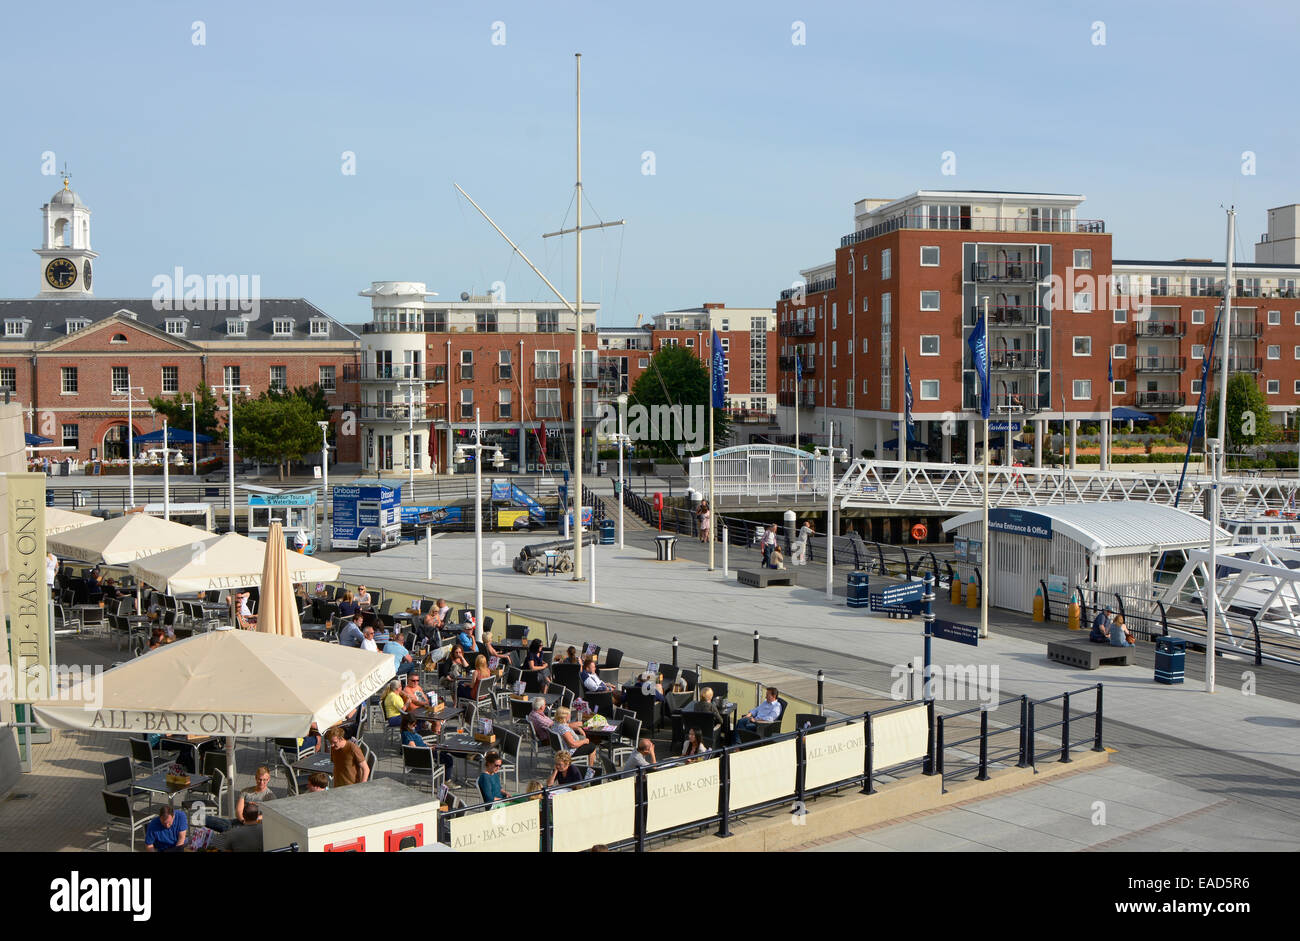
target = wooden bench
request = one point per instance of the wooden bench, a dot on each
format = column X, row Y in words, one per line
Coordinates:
column 1085, row 654
column 761, row 578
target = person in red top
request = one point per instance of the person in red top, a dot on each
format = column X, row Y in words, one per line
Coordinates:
column 349, row 763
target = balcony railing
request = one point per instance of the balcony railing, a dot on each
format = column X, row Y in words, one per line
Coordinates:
column 1018, row 359
column 797, row 328
column 1006, row 271
column 395, row 412
column 1249, row 329
column 1016, row 403
column 1160, row 363
column 919, row 220
column 749, row 416
column 546, row 372
column 393, row 372
column 1160, row 328
column 1238, row 364
column 824, row 284
column 786, row 364
column 1160, row 399
column 589, row 372
column 1024, row 315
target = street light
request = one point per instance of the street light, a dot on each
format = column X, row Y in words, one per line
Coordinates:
column 498, row 460
column 166, row 456
column 325, row 475
column 831, row 455
column 230, row 389
column 129, row 391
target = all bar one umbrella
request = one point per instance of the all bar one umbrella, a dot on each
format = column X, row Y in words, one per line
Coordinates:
column 60, row 521
column 223, row 562
column 277, row 609
column 124, row 539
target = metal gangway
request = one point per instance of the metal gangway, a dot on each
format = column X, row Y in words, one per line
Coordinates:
column 761, row 472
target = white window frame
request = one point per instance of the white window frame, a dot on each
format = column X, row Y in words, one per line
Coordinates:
column 1119, row 351
column 15, row 328
column 932, row 384
column 934, row 296
column 76, row 323
column 1074, row 345
column 1121, row 386
column 1088, row 262
column 1274, row 351
column 1275, row 318
column 63, row 380
column 1200, row 357
column 834, row 352
column 334, row 379
column 320, row 327
column 236, row 327
column 466, row 400
column 886, row 263
column 75, row 436
column 866, row 307
column 1272, row 386
column 1196, row 319
column 162, row 379
column 506, row 400
column 1074, row 390
column 1083, row 302
column 176, row 326
column 270, row 377
column 921, row 347
column 930, row 264
column 865, row 256
column 1297, row 387
column 1120, row 316
column 1196, row 387
column 282, row 327
column 864, row 344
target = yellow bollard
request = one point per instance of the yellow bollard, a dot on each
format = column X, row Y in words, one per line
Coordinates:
column 1038, row 604
column 955, row 597
column 972, row 594
column 1072, row 616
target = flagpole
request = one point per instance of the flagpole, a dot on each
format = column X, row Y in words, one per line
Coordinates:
column 1110, row 413
column 984, row 544
column 712, row 355
column 797, row 372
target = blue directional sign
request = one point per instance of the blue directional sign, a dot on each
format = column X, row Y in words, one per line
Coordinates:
column 898, row 594
column 951, row 630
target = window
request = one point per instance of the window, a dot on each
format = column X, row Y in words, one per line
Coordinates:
column 326, row 379
column 929, row 300
column 1120, row 316
column 929, row 344
column 467, row 404
column 726, row 324
column 1297, row 351
column 1083, row 346
column 1119, row 351
column 864, row 344
column 505, row 405
column 1198, row 316
column 176, row 326
column 79, row 323
column 886, row 264
column 70, row 379
column 231, row 375
column 864, row 261
column 121, row 379
column 8, row 379
column 1083, row 302
column 171, row 379
column 835, row 352
column 1198, row 351
column 1274, row 386
column 1297, row 387
column 1121, row 386
column 15, row 328
column 485, row 321
column 1082, row 388
column 1196, row 387
column 929, row 389
column 1083, row 258
column 235, row 327
column 72, row 436
column 1274, row 318
column 282, row 327
column 466, row 365
column 833, row 396
column 834, row 316
column 929, row 256
column 548, row 403
column 1275, row 352
column 279, row 379
column 547, row 364
column 865, row 307
column 690, row 343
column 886, row 307
column 667, row 341
column 726, row 345
column 320, row 327
column 643, row 362
column 548, row 321
column 866, row 386
column 505, row 368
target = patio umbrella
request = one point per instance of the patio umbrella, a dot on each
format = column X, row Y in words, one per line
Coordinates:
column 221, row 562
column 33, row 441
column 277, row 609
column 174, row 436
column 60, row 521
column 236, row 684
column 124, row 539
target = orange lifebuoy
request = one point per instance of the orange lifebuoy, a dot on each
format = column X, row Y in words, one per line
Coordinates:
column 919, row 531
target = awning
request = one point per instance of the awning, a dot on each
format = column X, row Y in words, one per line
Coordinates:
column 1129, row 414
column 174, row 436
column 124, row 539
column 223, row 562
column 60, row 521
column 33, row 441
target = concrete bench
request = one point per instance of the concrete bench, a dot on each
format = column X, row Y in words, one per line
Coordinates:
column 1085, row 654
column 761, row 578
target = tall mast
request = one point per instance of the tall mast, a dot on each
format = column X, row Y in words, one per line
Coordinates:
column 1227, row 345
column 577, row 369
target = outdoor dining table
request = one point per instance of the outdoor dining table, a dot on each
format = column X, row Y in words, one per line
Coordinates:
column 85, row 610
column 552, row 699
column 445, row 714
column 463, row 745
column 320, row 761
column 157, row 783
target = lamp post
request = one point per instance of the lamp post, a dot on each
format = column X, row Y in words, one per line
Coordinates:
column 193, row 409
column 498, row 460
column 620, row 441
column 831, row 454
column 325, row 477
column 129, row 391
column 230, row 389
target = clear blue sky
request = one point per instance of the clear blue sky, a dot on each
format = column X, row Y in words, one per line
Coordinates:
column 225, row 158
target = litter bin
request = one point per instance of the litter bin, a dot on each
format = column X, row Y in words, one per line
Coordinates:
column 64, row 468
column 606, row 532
column 857, row 593
column 666, row 548
column 1171, row 654
column 49, row 497
column 80, row 497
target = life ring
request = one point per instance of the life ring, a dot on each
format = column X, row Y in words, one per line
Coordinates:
column 919, row 531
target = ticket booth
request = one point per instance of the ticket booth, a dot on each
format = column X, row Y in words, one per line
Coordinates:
column 376, row 817
column 366, row 512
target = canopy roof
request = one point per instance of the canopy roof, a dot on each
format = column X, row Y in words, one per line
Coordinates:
column 219, row 562
column 174, row 436
column 1122, row 413
column 59, row 521
column 124, row 539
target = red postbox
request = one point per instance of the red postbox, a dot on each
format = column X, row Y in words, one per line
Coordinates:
column 659, row 508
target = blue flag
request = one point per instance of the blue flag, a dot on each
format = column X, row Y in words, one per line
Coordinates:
column 1110, row 369
column 1198, row 424
column 798, row 368
column 719, row 371
column 907, row 395
column 979, row 348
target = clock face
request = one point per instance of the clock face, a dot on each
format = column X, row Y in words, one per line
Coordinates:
column 61, row 273
column 85, row 274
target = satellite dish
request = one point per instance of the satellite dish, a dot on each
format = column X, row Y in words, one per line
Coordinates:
column 464, row 295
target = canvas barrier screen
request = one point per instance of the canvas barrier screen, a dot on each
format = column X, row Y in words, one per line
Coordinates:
column 680, row 795
column 516, row 829
column 900, row 736
column 604, row 813
column 761, row 774
column 835, row 754
column 739, row 690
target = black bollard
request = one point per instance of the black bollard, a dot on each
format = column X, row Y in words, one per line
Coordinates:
column 715, row 651
column 756, row 646
column 369, row 541
column 674, row 651
column 821, row 688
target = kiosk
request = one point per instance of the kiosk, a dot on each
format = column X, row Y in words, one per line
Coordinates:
column 294, row 508
column 367, row 512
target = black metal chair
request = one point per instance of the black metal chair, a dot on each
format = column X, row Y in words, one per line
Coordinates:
column 719, row 690
column 691, row 678
column 648, row 709
column 601, row 703
column 516, row 632
column 143, row 755
column 807, row 720
column 420, row 764
column 123, row 816
column 118, row 776
column 669, row 673
column 702, row 722
column 568, row 675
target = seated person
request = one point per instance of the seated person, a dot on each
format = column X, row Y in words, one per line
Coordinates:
column 489, row 780
column 259, row 793
column 393, row 703
column 570, row 656
column 412, row 737
column 564, row 774
column 246, row 838
column 592, row 683
column 643, row 757
column 368, row 639
column 317, row 781
column 1120, row 636
column 1100, row 633
column 572, row 736
column 352, row 634
column 769, row 710
column 487, row 647
column 412, row 695
column 403, row 662
column 706, row 704
column 539, row 720
column 535, row 662
column 457, row 667
column 465, row 636
column 694, row 744
column 776, row 558
column 312, row 739
column 166, row 833
column 246, row 615
column 469, row 688
column 348, row 606
column 363, row 597
column 651, row 686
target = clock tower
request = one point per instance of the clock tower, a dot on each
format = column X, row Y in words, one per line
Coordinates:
column 67, row 263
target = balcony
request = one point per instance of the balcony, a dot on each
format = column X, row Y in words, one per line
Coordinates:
column 589, row 372
column 797, row 328
column 1159, row 328
column 1006, row 272
column 1238, row 364
column 1160, row 400
column 749, row 416
column 393, row 372
column 786, row 364
column 1246, row 330
column 1160, row 363
column 919, row 220
column 1010, row 316
column 395, row 412
column 1016, row 403
column 546, row 372
column 1018, row 360
column 825, row 284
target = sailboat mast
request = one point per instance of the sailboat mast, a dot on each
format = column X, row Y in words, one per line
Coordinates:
column 1227, row 346
column 577, row 368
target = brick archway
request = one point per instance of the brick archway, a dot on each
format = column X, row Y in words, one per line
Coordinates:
column 101, row 442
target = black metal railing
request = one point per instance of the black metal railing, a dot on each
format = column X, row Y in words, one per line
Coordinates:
column 1160, row 363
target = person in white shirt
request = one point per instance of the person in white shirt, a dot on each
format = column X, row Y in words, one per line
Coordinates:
column 769, row 710
column 51, row 568
column 363, row 596
column 368, row 640
column 769, row 543
column 592, row 683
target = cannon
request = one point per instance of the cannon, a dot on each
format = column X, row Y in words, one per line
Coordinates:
column 532, row 558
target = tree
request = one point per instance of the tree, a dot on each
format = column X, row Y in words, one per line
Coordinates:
column 1248, row 416
column 675, row 377
column 178, row 416
column 276, row 429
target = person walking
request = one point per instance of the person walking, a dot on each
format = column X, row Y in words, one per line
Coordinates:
column 769, row 543
column 706, row 520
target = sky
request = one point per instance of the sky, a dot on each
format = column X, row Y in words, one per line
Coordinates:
column 228, row 156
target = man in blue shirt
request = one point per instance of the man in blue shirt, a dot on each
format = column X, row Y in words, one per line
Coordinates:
column 403, row 663
column 352, row 635
column 769, row 710
column 166, row 833
column 1101, row 629
column 466, row 636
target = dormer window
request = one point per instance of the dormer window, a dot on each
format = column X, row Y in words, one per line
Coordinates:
column 282, row 327
column 76, row 324
column 320, row 327
column 119, row 338
column 16, row 328
column 176, row 326
column 236, row 327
